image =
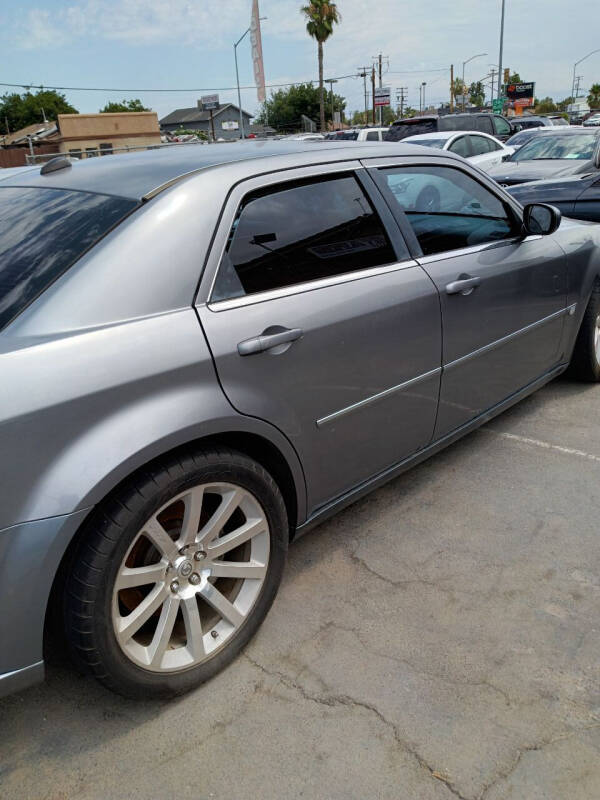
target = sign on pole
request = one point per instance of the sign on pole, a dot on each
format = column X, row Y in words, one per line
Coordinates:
column 209, row 102
column 498, row 104
column 382, row 96
column 521, row 94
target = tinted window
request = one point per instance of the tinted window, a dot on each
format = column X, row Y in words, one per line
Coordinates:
column 452, row 123
column 460, row 146
column 578, row 146
column 42, row 232
column 438, row 143
column 301, row 232
column 373, row 136
column 481, row 145
column 502, row 126
column 483, row 124
column 346, row 135
column 408, row 128
column 447, row 209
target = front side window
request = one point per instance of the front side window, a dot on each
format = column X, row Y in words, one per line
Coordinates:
column 301, row 231
column 42, row 232
column 447, row 209
column 502, row 126
column 483, row 124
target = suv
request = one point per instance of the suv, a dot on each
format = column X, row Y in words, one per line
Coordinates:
column 494, row 124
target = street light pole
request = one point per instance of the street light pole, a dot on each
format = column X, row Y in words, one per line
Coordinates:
column 424, row 84
column 478, row 55
column 501, row 51
column 237, row 79
column 575, row 65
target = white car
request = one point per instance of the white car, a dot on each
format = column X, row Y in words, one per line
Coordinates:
column 480, row 149
column 357, row 135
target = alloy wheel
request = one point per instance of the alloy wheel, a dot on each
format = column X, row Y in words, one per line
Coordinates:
column 191, row 577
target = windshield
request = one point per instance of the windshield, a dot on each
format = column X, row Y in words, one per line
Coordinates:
column 439, row 143
column 579, row 146
column 42, row 232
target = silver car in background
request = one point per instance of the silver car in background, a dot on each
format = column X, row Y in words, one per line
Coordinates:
column 207, row 351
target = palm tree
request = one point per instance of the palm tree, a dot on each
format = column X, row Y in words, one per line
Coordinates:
column 321, row 16
column 593, row 97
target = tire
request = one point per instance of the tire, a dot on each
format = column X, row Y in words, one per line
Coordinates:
column 175, row 572
column 585, row 363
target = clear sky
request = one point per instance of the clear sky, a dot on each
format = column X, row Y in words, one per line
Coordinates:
column 188, row 44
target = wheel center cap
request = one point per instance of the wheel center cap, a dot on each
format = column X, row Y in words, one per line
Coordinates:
column 185, row 569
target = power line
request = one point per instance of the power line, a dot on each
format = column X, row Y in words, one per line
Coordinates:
column 28, row 86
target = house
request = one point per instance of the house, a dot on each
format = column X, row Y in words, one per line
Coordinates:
column 80, row 134
column 226, row 120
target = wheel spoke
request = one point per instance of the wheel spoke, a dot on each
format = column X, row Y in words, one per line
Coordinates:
column 221, row 604
column 160, row 539
column 224, row 544
column 227, row 506
column 130, row 577
column 191, row 518
column 193, row 627
column 238, row 569
column 164, row 629
column 130, row 624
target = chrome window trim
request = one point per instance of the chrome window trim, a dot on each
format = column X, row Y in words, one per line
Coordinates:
column 373, row 398
column 308, row 286
column 563, row 312
column 476, row 248
column 232, row 203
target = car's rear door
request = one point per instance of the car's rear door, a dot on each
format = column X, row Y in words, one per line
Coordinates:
column 322, row 324
column 503, row 297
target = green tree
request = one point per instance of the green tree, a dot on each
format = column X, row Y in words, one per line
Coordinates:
column 562, row 105
column 284, row 107
column 545, row 106
column 514, row 78
column 477, row 93
column 126, row 105
column 321, row 16
column 20, row 110
column 457, row 90
column 593, row 97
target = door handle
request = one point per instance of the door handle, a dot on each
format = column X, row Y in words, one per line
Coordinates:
column 464, row 285
column 266, row 341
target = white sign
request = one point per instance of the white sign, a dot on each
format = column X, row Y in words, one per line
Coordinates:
column 209, row 102
column 230, row 125
column 382, row 96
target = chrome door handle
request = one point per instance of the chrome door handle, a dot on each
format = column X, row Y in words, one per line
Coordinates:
column 266, row 341
column 464, row 285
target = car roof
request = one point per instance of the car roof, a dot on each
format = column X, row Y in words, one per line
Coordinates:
column 142, row 174
column 449, row 135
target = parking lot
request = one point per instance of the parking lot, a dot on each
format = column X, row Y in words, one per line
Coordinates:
column 438, row 639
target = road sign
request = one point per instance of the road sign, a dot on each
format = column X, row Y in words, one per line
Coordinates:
column 382, row 96
column 209, row 102
column 498, row 104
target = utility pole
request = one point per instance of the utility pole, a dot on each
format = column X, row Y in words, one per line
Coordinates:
column 401, row 97
column 331, row 81
column 373, row 90
column 451, row 88
column 424, row 84
column 363, row 74
column 493, row 76
column 577, row 84
column 380, row 85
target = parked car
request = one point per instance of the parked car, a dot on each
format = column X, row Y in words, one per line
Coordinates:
column 184, row 393
column 577, row 196
column 528, row 121
column 304, row 137
column 493, row 124
column 593, row 121
column 570, row 152
column 357, row 135
column 480, row 149
column 522, row 137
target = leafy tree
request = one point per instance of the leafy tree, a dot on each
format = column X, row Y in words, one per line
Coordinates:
column 477, row 93
column 126, row 105
column 593, row 97
column 20, row 110
column 545, row 106
column 514, row 78
column 283, row 109
column 562, row 105
column 321, row 16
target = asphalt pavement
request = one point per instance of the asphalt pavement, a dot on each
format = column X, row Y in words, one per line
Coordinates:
column 438, row 639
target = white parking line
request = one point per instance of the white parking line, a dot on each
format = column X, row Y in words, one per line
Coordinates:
column 569, row 451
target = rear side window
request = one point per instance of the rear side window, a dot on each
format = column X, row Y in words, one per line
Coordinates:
column 399, row 130
column 483, row 124
column 42, row 232
column 460, row 146
column 301, row 231
column 373, row 136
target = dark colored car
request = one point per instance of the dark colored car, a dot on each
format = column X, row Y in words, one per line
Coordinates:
column 207, row 351
column 577, row 197
column 565, row 152
column 493, row 124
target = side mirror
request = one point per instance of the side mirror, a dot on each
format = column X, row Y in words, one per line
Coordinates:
column 506, row 157
column 540, row 219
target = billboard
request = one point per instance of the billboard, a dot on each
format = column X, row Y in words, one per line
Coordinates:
column 521, row 94
column 257, row 56
column 209, row 102
column 382, row 96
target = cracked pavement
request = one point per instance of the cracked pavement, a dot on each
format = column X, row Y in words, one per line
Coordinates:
column 438, row 639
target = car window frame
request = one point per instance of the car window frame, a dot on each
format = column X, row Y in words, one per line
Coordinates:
column 375, row 167
column 235, row 198
column 497, row 132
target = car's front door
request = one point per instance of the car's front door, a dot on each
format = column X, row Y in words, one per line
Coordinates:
column 321, row 323
column 587, row 205
column 503, row 297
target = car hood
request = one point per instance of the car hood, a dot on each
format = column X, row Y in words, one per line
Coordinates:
column 511, row 172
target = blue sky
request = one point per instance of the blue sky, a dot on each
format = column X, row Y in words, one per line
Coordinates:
column 188, row 44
